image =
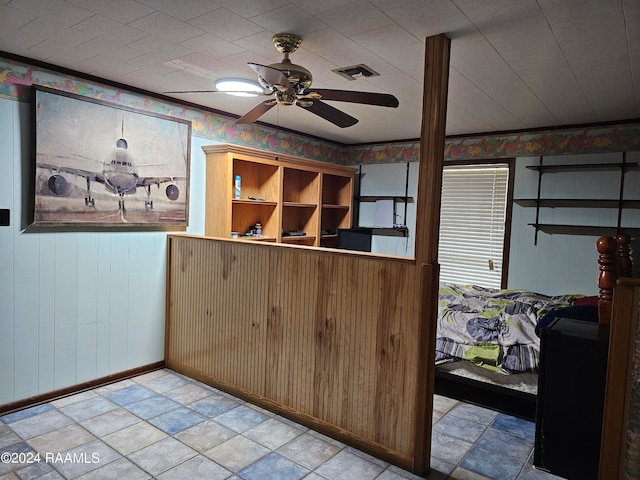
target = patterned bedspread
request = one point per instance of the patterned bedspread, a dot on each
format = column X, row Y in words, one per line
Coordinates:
column 492, row 328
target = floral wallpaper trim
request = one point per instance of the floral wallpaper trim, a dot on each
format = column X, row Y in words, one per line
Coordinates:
column 16, row 79
column 616, row 138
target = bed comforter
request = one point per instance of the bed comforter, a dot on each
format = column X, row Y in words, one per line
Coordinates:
column 492, row 328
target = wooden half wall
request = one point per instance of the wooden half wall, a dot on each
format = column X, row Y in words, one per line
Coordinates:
column 326, row 337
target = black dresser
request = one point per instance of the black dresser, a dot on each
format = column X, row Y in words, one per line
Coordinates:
column 570, row 403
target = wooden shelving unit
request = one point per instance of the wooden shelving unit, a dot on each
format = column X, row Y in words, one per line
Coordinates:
column 281, row 192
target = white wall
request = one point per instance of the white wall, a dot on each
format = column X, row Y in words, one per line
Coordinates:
column 390, row 180
column 565, row 263
column 557, row 263
column 75, row 305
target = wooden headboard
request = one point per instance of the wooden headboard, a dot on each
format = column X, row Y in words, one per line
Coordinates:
column 615, row 261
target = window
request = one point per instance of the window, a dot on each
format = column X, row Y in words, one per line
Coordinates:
column 473, row 222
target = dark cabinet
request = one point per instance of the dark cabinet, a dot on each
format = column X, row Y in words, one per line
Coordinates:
column 570, row 403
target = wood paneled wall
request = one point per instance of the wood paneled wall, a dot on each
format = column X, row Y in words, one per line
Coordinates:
column 329, row 338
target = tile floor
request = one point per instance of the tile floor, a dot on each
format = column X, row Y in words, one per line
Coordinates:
column 166, row 426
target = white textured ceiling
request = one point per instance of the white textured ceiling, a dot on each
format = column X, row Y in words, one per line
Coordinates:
column 515, row 64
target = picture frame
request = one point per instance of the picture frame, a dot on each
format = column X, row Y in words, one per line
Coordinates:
column 99, row 164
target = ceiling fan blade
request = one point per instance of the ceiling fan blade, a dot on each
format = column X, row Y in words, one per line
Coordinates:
column 326, row 111
column 380, row 99
column 273, row 76
column 256, row 112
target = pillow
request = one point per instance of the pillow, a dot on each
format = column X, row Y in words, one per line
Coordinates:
column 592, row 301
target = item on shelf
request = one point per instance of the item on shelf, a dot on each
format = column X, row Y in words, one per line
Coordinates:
column 235, row 234
column 256, row 199
column 258, row 229
column 238, row 187
column 294, row 233
column 328, row 231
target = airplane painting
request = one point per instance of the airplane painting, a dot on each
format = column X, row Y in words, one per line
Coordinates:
column 99, row 164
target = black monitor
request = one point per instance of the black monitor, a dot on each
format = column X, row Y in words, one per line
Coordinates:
column 354, row 239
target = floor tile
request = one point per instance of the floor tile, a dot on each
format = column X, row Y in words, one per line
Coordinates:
column 448, row 448
column 39, row 424
column 196, row 467
column 273, row 467
column 237, row 453
column 113, row 387
column 110, row 422
column 347, row 466
column 84, row 458
column 162, row 456
column 205, row 435
column 61, row 440
column 71, row 399
column 26, row 413
column 241, row 419
column 494, row 440
column 443, row 404
column 459, row 428
column 273, row 433
column 7, row 436
column 177, row 420
column 152, row 406
column 121, row 469
column 134, row 438
column 128, row 395
column 34, row 470
column 188, row 393
column 88, row 408
column 476, row 414
column 515, row 426
column 165, row 383
column 20, row 447
column 214, row 405
column 308, row 450
column 492, row 464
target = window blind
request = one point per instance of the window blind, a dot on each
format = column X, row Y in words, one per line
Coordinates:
column 472, row 224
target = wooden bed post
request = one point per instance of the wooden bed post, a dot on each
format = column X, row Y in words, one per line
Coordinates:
column 607, row 247
column 434, row 113
column 623, row 258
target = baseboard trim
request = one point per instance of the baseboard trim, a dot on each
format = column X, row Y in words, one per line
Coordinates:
column 81, row 387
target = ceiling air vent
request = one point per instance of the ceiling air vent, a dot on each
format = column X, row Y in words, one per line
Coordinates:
column 356, row 71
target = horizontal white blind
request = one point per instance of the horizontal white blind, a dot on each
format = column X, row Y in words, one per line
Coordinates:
column 472, row 224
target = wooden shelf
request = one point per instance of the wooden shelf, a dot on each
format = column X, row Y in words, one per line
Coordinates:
column 256, row 238
column 299, row 205
column 299, row 239
column 583, row 167
column 573, row 203
column 242, row 201
column 373, row 198
column 337, row 207
column 294, row 193
column 581, row 229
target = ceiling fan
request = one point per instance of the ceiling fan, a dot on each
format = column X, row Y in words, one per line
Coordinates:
column 291, row 85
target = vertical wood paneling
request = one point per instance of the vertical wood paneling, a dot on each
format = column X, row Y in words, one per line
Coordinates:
column 65, row 308
column 87, row 316
column 330, row 338
column 8, row 178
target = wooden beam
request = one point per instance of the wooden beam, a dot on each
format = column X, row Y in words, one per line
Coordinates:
column 434, row 113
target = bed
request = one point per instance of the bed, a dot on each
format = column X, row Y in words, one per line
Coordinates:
column 487, row 342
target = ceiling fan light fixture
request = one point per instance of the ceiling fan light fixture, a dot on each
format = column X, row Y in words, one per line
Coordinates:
column 239, row 87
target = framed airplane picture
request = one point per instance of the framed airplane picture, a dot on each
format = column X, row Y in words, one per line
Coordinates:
column 100, row 164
